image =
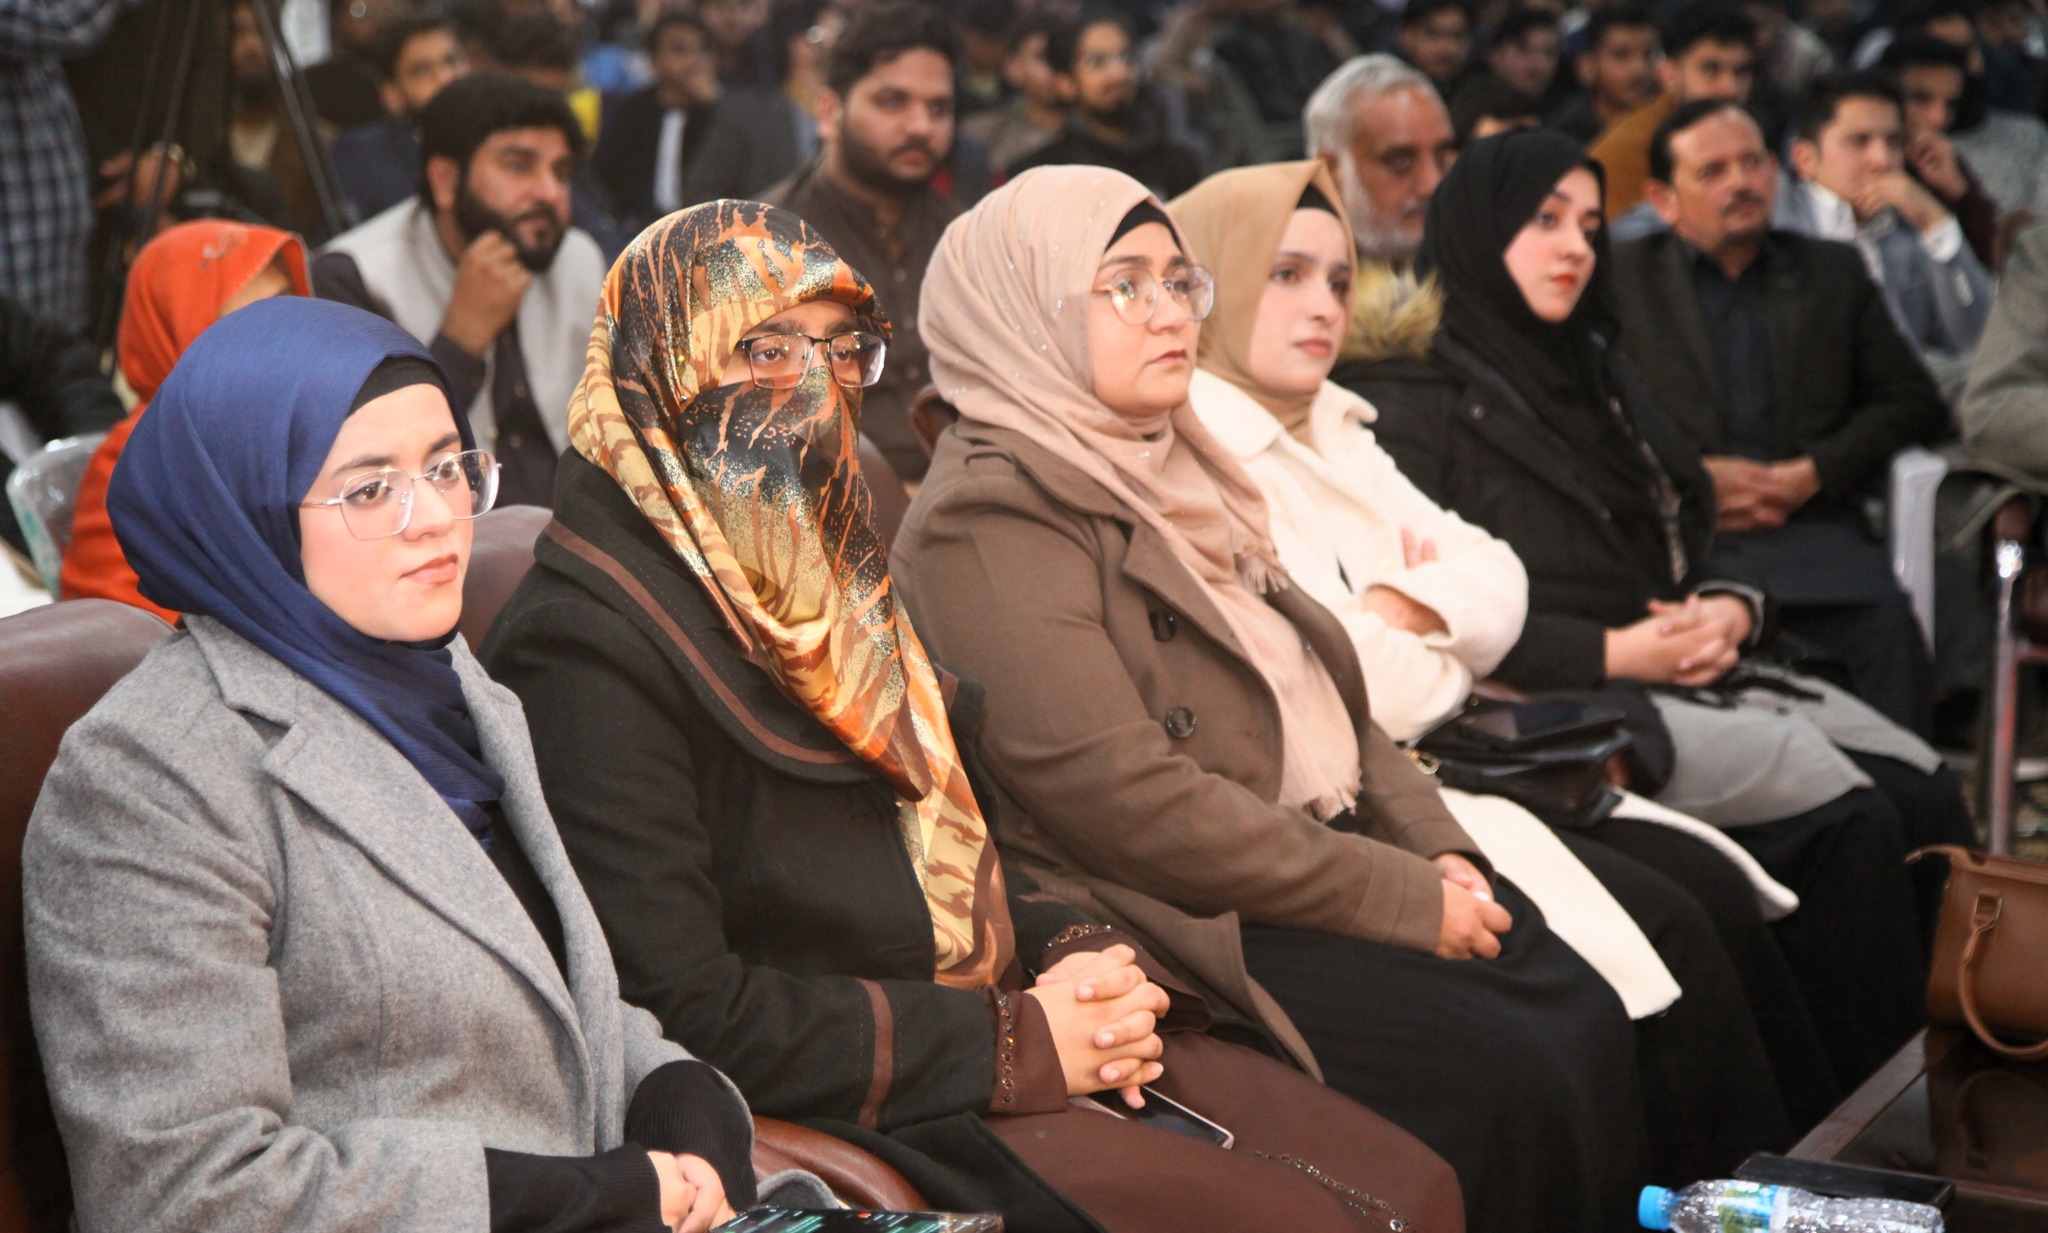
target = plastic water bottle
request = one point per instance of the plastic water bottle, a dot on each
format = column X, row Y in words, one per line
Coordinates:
column 1750, row 1207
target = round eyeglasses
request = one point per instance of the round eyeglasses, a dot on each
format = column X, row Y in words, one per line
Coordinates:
column 378, row 504
column 1135, row 293
column 781, row 361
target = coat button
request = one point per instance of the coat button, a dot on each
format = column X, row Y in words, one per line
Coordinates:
column 1164, row 625
column 1476, row 411
column 1180, row 723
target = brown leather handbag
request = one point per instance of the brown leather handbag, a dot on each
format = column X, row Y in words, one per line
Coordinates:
column 1991, row 950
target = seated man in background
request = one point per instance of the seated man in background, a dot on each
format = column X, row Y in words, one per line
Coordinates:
column 1617, row 72
column 1383, row 129
column 1112, row 122
column 1776, row 354
column 1435, row 36
column 2004, row 409
column 1931, row 74
column 1524, row 51
column 648, row 148
column 1486, row 105
column 377, row 165
column 1852, row 186
column 1709, row 53
column 885, row 124
column 484, row 267
column 1036, row 111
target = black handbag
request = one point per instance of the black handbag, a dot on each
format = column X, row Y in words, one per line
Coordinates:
column 1548, row 756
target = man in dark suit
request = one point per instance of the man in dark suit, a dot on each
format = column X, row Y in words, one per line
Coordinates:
column 648, row 147
column 1775, row 353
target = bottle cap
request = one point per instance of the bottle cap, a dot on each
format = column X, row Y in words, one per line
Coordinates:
column 1653, row 1208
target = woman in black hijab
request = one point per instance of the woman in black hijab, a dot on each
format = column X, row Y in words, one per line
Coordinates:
column 1525, row 420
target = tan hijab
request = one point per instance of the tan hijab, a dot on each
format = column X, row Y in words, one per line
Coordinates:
column 759, row 492
column 1004, row 313
column 1235, row 220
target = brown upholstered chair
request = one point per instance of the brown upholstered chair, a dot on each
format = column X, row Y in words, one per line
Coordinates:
column 55, row 662
column 500, row 554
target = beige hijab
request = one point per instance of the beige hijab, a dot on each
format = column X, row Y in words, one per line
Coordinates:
column 1235, row 220
column 1004, row 312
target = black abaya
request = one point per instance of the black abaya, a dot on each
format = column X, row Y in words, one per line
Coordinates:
column 1520, row 1070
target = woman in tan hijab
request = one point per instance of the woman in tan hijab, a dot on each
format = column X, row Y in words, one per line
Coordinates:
column 767, row 787
column 1428, row 601
column 1181, row 739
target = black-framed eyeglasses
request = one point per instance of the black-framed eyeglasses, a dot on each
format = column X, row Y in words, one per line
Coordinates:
column 1135, row 293
column 378, row 504
column 781, row 361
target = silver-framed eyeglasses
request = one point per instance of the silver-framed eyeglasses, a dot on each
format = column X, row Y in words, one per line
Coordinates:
column 378, row 504
column 1135, row 293
column 782, row 361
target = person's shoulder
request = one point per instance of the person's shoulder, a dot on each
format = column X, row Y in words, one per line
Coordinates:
column 169, row 713
column 1815, row 258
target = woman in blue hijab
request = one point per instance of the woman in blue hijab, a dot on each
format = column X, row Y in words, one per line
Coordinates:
column 304, row 950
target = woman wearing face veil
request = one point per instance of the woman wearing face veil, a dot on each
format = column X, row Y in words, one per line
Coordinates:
column 304, row 952
column 1181, row 738
column 1525, row 422
column 765, row 782
column 1285, row 265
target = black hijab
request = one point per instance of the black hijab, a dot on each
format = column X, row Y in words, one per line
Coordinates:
column 1560, row 370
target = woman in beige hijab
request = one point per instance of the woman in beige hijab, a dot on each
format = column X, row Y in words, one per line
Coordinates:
column 1428, row 601
column 1180, row 738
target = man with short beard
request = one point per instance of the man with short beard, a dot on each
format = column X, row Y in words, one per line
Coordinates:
column 885, row 129
column 1387, row 138
column 484, row 268
column 1776, row 354
column 1110, row 122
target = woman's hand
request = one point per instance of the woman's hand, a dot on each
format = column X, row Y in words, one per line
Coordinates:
column 1677, row 644
column 1458, row 869
column 1103, row 1013
column 1470, row 924
column 692, row 1196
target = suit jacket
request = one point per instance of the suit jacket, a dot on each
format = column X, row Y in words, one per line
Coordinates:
column 278, row 985
column 628, row 146
column 1846, row 389
column 1136, row 748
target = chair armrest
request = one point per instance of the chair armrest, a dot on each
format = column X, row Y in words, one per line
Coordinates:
column 857, row 1177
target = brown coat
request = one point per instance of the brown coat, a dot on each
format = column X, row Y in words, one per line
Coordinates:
column 1136, row 747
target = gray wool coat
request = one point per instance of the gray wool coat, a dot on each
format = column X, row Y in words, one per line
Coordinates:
column 278, row 986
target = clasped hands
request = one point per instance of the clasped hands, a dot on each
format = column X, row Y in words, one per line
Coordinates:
column 692, row 1195
column 1104, row 1015
column 1756, row 496
column 1692, row 644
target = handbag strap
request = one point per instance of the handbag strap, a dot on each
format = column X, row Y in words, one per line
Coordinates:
column 1983, row 920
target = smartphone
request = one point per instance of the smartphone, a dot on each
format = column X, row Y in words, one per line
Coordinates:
column 789, row 1220
column 1161, row 1113
column 1509, row 727
column 1843, row 1181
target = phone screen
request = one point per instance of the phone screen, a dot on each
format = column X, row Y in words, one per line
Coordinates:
column 1167, row 1115
column 1530, row 721
column 786, row 1220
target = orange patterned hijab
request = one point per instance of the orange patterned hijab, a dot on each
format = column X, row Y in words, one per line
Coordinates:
column 759, row 492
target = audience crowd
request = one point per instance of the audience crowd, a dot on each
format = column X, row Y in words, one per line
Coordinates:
column 1266, row 381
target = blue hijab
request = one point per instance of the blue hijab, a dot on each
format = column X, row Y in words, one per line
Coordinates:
column 205, row 504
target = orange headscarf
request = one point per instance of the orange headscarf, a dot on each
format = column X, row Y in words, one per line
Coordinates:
column 759, row 493
column 177, row 288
